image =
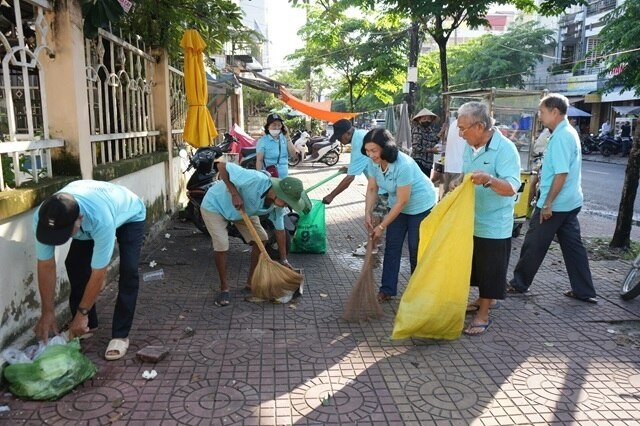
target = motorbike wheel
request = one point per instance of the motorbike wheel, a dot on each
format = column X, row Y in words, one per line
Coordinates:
column 606, row 151
column 631, row 285
column 272, row 244
column 331, row 158
column 194, row 213
column 585, row 148
column 294, row 161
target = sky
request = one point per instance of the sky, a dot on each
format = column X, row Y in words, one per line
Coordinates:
column 284, row 22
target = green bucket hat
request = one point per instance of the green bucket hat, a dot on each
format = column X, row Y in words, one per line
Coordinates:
column 291, row 191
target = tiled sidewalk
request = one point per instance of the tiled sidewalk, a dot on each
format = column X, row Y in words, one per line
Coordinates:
column 546, row 360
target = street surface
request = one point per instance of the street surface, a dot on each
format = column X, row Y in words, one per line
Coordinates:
column 602, row 188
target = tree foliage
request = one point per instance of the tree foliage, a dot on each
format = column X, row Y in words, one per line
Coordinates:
column 366, row 54
column 504, row 60
column 163, row 22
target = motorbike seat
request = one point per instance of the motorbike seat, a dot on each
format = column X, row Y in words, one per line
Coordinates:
column 248, row 151
column 318, row 146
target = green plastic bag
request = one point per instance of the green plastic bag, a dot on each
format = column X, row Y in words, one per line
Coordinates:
column 51, row 375
column 311, row 233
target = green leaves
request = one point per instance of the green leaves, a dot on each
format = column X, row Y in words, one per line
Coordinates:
column 98, row 14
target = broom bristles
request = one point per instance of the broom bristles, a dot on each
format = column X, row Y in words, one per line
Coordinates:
column 272, row 280
column 363, row 304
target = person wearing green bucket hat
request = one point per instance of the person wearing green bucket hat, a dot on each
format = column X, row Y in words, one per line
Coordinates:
column 257, row 194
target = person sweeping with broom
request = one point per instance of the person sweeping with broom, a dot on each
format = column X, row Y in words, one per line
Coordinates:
column 250, row 193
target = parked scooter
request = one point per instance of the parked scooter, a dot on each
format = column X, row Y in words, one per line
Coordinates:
column 610, row 145
column 204, row 176
column 245, row 147
column 590, row 144
column 315, row 149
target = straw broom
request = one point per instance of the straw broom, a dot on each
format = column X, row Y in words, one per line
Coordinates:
column 270, row 279
column 363, row 302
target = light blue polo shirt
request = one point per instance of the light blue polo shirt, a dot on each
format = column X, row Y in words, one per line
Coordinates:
column 562, row 155
column 275, row 153
column 252, row 186
column 402, row 172
column 493, row 212
column 104, row 208
column 359, row 162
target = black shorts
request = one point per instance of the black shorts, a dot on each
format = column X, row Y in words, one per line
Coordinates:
column 489, row 266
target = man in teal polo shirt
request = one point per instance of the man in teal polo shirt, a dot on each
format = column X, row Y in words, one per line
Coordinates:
column 557, row 208
column 94, row 215
column 257, row 194
column 494, row 164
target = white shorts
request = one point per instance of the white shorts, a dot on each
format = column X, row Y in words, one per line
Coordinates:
column 217, row 226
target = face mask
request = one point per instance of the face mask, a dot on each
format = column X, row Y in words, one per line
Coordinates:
column 275, row 133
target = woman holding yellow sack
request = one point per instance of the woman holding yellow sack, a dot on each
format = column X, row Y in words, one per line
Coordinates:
column 494, row 164
column 411, row 197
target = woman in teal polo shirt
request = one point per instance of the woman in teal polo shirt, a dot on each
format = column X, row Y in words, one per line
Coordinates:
column 411, row 197
column 272, row 148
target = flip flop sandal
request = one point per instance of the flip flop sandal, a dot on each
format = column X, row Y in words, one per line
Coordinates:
column 116, row 349
column 571, row 294
column 384, row 297
column 483, row 328
column 222, row 299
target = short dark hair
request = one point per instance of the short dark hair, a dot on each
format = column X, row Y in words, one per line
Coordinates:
column 383, row 138
column 557, row 101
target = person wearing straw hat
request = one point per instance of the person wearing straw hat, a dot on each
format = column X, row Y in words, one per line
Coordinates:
column 94, row 215
column 424, row 138
column 257, row 194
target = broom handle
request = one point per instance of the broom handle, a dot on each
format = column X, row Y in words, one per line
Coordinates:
column 254, row 234
column 323, row 181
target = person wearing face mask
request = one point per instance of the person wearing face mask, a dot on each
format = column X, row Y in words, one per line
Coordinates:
column 272, row 148
column 424, row 138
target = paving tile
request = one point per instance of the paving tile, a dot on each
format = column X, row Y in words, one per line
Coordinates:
column 547, row 359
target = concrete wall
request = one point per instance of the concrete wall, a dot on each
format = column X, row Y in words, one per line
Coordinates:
column 19, row 297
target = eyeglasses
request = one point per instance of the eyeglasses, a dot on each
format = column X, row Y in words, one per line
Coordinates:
column 464, row 129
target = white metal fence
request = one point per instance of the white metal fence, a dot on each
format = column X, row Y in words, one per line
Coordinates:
column 25, row 146
column 119, row 80
column 178, row 106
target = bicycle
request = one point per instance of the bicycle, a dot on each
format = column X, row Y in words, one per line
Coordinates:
column 631, row 285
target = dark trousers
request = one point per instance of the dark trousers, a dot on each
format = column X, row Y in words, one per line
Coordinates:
column 130, row 237
column 536, row 243
column 403, row 225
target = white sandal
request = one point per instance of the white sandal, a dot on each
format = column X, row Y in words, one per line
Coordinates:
column 116, row 349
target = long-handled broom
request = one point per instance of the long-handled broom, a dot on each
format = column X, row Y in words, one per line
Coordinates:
column 363, row 302
column 270, row 279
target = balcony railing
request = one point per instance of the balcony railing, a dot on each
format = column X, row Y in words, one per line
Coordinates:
column 600, row 6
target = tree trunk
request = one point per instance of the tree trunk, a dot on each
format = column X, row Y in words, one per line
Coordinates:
column 444, row 73
column 622, row 234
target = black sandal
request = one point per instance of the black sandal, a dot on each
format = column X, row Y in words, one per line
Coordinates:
column 571, row 294
column 222, row 299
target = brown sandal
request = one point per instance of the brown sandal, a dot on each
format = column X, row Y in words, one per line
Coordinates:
column 384, row 297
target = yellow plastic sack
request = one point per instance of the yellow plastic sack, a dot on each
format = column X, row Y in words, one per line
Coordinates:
column 433, row 305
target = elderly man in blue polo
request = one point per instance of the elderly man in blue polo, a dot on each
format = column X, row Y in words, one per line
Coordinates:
column 258, row 194
column 494, row 164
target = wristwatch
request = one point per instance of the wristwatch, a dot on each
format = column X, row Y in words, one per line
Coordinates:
column 83, row 311
column 488, row 183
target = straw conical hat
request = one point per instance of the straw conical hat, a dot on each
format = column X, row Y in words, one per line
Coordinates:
column 424, row 112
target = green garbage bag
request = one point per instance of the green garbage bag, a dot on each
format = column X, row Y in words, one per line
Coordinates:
column 57, row 370
column 311, row 233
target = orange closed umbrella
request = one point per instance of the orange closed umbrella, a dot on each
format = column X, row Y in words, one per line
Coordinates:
column 199, row 129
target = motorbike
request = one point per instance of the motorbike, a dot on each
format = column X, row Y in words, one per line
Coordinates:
column 610, row 145
column 204, row 176
column 243, row 145
column 317, row 149
column 590, row 144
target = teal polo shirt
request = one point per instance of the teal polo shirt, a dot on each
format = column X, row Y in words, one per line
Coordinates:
column 402, row 172
column 493, row 212
column 275, row 153
column 252, row 186
column 359, row 162
column 562, row 155
column 104, row 208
